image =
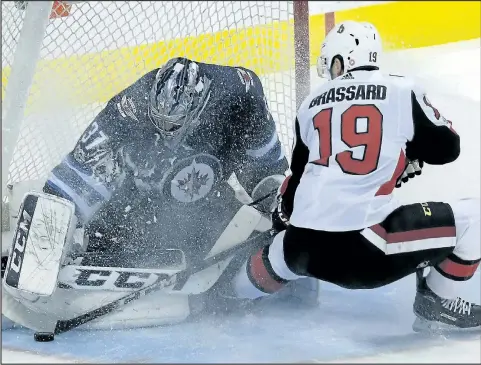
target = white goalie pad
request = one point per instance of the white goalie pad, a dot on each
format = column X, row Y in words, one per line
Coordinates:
column 85, row 288
column 42, row 237
column 153, row 310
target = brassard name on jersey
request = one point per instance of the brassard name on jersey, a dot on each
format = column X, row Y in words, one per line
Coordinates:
column 350, row 93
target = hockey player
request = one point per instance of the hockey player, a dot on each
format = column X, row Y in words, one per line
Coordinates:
column 355, row 135
column 162, row 150
column 150, row 174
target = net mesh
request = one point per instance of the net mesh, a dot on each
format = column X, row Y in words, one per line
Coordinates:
column 102, row 47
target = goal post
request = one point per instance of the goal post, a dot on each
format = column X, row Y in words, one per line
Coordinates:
column 58, row 71
column 27, row 52
column 302, row 52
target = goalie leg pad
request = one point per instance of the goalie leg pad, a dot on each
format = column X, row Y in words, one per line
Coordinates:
column 41, row 240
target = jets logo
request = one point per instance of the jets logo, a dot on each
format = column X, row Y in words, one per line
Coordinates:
column 192, row 178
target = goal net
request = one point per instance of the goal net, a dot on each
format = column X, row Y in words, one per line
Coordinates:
column 61, row 62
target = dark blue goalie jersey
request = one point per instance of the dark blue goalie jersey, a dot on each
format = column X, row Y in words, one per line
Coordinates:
column 136, row 195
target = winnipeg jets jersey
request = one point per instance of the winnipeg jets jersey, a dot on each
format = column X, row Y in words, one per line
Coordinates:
column 354, row 136
column 133, row 190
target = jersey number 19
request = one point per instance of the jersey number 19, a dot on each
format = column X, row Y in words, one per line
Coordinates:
column 371, row 140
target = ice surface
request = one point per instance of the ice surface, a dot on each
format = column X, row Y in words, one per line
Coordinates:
column 19, row 356
column 354, row 326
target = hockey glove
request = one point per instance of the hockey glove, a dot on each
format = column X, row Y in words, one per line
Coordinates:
column 413, row 169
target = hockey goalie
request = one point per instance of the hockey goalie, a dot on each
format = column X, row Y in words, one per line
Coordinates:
column 147, row 192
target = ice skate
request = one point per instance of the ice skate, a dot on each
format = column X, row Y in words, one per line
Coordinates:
column 435, row 314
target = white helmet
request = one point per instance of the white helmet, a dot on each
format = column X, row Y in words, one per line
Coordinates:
column 357, row 44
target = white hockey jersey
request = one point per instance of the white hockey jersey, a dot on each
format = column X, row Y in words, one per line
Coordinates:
column 354, row 136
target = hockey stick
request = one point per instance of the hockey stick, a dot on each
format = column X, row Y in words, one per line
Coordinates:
column 69, row 324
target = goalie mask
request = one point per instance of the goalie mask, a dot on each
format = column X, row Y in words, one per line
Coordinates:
column 177, row 97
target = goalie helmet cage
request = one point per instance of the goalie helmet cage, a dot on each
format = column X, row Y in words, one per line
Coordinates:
column 61, row 61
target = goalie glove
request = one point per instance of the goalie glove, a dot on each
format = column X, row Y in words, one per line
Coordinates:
column 413, row 169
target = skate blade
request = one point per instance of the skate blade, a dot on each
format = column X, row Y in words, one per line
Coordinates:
column 422, row 325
